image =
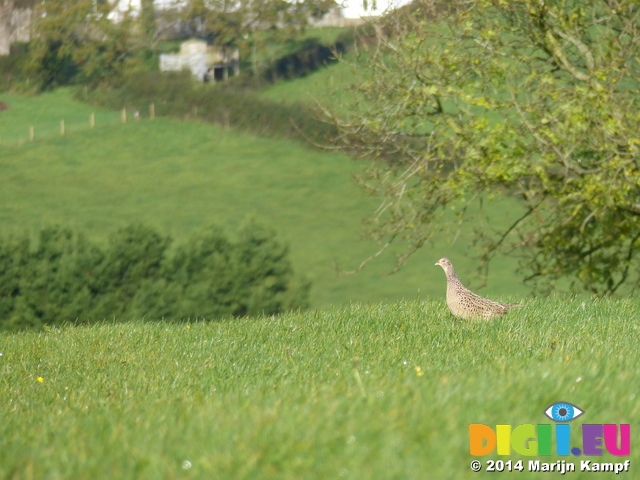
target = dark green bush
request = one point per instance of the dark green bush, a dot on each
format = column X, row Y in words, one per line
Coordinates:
column 309, row 58
column 62, row 277
column 12, row 76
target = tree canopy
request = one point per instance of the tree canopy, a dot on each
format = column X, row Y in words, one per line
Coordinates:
column 531, row 99
column 97, row 43
column 79, row 37
column 228, row 22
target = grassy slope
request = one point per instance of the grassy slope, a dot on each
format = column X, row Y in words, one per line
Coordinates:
column 180, row 176
column 367, row 391
column 272, row 46
column 327, row 85
column 330, row 82
column 45, row 113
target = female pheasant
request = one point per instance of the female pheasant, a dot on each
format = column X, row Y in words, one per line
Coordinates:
column 463, row 303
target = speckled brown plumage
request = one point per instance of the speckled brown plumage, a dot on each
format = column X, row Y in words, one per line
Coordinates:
column 463, row 303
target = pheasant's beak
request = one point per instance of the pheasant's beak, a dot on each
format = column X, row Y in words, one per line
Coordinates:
column 437, row 263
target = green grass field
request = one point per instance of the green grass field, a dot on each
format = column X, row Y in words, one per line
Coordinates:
column 179, row 176
column 44, row 113
column 370, row 391
column 331, row 82
column 271, row 46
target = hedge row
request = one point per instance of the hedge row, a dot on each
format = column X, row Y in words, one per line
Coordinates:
column 309, row 57
column 177, row 95
column 63, row 277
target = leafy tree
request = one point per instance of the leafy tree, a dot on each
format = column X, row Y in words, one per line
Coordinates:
column 148, row 18
column 229, row 22
column 533, row 99
column 78, row 37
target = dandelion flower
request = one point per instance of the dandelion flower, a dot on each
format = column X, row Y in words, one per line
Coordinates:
column 40, row 379
column 419, row 371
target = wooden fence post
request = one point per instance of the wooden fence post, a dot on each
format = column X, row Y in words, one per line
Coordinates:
column 62, row 128
column 92, row 120
column 152, row 111
column 32, row 134
column 123, row 115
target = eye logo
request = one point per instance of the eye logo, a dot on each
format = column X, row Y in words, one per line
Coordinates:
column 563, row 412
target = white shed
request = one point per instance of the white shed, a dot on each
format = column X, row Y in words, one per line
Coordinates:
column 204, row 61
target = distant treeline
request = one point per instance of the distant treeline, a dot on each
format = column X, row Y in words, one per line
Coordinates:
column 63, row 277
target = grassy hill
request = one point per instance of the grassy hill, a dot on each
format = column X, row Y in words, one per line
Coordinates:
column 366, row 391
column 330, row 82
column 44, row 113
column 179, row 176
column 330, row 85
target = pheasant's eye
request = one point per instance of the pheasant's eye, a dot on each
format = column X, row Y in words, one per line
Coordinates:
column 563, row 412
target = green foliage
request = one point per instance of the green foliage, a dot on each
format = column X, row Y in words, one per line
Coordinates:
column 249, row 277
column 304, row 61
column 268, row 59
column 78, row 42
column 62, row 277
column 528, row 98
column 380, row 391
column 230, row 23
column 148, row 17
column 12, row 68
column 48, row 280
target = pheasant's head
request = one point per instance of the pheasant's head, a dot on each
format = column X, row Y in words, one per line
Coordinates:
column 446, row 265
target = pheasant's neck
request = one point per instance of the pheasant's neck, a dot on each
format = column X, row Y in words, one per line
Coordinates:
column 453, row 281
